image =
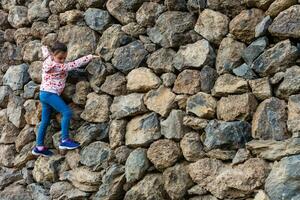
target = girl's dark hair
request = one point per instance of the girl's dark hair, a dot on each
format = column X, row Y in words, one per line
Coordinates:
column 59, row 47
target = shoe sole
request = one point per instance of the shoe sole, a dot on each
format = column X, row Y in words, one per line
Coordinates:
column 68, row 148
column 40, row 154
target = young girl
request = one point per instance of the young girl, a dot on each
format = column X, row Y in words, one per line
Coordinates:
column 54, row 74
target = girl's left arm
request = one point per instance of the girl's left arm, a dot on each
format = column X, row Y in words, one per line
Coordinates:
column 45, row 52
column 77, row 63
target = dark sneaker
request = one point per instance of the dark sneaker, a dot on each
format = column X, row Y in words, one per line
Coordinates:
column 68, row 144
column 44, row 152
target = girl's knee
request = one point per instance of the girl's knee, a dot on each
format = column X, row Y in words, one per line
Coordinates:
column 67, row 113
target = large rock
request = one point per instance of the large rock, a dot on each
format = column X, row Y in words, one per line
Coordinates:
column 255, row 49
column 261, row 88
column 208, row 76
column 293, row 114
column 142, row 130
column 83, row 178
column 37, row 11
column 290, row 83
column 17, row 16
column 224, row 181
column 278, row 6
column 48, row 169
column 81, row 40
column 151, row 187
column 236, row 107
column 15, row 192
column 136, row 165
column 286, row 24
column 229, row 55
column 16, row 111
column 35, row 71
column 33, row 109
column 243, row 25
column 3, row 19
column 129, row 105
column 71, row 17
column 274, row 150
column 7, row 155
column 228, row 84
column 170, row 29
column 172, row 127
column 25, row 136
column 16, row 76
column 96, row 108
column 227, row 135
column 212, row 25
column 161, row 60
column 58, row 6
column 203, row 105
column 97, row 19
column 263, row 4
column 4, row 96
column 129, row 57
column 32, row 51
column 65, row 189
column 41, row 29
column 269, row 120
column 9, row 133
column 283, row 180
column 97, row 155
column 82, row 90
column 194, row 122
column 117, row 131
column 142, row 80
column 194, row 55
column 91, row 3
column 148, row 13
column 191, row 146
column 244, row 71
column 8, row 176
column 188, row 82
column 164, row 153
column 227, row 7
column 262, row 27
column 275, row 59
column 161, row 100
column 97, row 71
column 177, row 181
column 114, row 84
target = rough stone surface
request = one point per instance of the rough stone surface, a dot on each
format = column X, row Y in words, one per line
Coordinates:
column 255, row 49
column 97, row 19
column 188, row 82
column 261, row 88
column 16, row 76
column 289, row 85
column 161, row 60
column 148, row 13
column 172, row 127
column 114, row 84
column 191, row 146
column 17, row 16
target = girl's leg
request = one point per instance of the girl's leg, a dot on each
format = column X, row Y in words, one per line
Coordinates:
column 46, row 114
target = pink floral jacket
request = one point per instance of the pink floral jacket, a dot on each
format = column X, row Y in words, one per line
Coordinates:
column 54, row 74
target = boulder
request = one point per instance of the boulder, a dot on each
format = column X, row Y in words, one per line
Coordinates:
column 128, row 105
column 197, row 190
column 191, row 146
column 64, row 189
column 16, row 111
column 237, row 107
column 114, row 84
column 121, row 154
column 3, row 19
column 31, row 90
column 194, row 55
column 8, row 153
column 243, row 25
column 32, row 51
column 269, row 120
column 15, row 191
column 160, row 100
column 228, row 84
column 293, row 107
column 17, row 16
column 9, row 133
column 263, row 4
column 59, row 6
column 290, row 83
column 227, row 7
column 97, row 71
column 262, row 27
column 136, row 165
column 212, row 25
column 91, row 3
column 89, row 132
column 220, row 154
column 33, row 111
column 97, row 19
column 148, row 13
column 168, row 79
column 35, row 71
column 255, row 49
column 134, row 29
column 96, row 108
column 164, row 153
column 275, row 59
column 81, row 93
column 142, row 130
column 4, row 96
column 8, row 176
column 241, row 156
column 161, row 60
column 117, row 131
column 188, row 82
column 71, row 17
column 129, row 57
column 261, row 88
column 278, row 6
column 227, row 135
column 40, row 29
column 282, row 181
column 25, row 136
column 172, row 127
column 229, row 55
column 203, row 105
column 244, row 71
column 208, row 76
column 142, row 80
column 16, row 76
column 194, row 122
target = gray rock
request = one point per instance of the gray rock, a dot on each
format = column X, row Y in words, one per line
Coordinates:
column 64, row 189
column 208, row 76
column 172, row 127
column 97, row 155
column 197, row 190
column 168, row 79
column 277, row 78
column 293, row 116
column 4, row 96
column 16, row 111
column 142, row 130
column 275, row 59
column 283, row 180
column 290, row 83
column 92, row 3
column 16, row 76
column 269, row 120
column 254, row 50
column 114, row 84
column 3, row 19
column 227, row 135
column 8, row 176
column 59, row 6
column 82, row 90
column 97, row 19
column 170, row 29
column 17, row 16
column 8, row 153
column 121, row 153
column 261, row 88
column 31, row 90
column 14, row 192
column 38, row 192
column 191, row 146
column 97, row 71
column 178, row 5
column 136, row 165
column 129, row 105
column 148, row 13
column 161, row 60
column 262, row 27
column 117, row 131
column 241, row 156
column 134, row 29
column 35, row 71
column 38, row 11
column 129, row 57
column 194, row 122
column 32, row 51
column 196, row 5
column 227, row 7
column 244, row 71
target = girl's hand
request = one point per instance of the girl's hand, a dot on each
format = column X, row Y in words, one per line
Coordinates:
column 96, row 56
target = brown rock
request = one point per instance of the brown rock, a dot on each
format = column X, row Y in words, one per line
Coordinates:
column 25, row 136
column 194, row 122
column 164, row 153
column 228, row 84
column 114, row 84
column 172, row 127
column 290, row 83
column 82, row 90
column 35, row 71
column 134, row 29
column 142, row 80
column 203, row 105
column 160, row 101
column 278, row 6
column 7, row 155
column 265, row 126
column 243, row 25
column 70, row 17
column 261, row 88
column 9, row 133
column 241, row 156
column 212, row 25
column 188, row 82
column 40, row 29
column 236, row 107
column 293, row 114
column 24, row 156
column 168, row 79
column 117, row 131
column 191, row 146
column 161, row 60
column 263, row 4
column 148, row 13
column 33, row 109
column 220, row 154
column 229, row 55
column 227, row 7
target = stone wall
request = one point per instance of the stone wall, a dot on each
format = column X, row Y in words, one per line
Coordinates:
column 195, row 100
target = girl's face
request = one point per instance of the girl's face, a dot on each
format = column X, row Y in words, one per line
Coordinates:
column 60, row 57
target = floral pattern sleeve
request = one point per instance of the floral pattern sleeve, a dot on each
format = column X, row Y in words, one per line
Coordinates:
column 77, row 63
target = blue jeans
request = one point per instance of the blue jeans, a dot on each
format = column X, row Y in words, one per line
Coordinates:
column 53, row 101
